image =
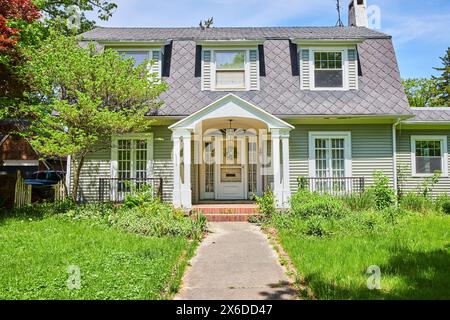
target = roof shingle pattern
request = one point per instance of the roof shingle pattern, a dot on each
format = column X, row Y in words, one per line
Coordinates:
column 380, row 89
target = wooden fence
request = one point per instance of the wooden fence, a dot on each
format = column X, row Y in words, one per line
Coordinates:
column 22, row 194
column 60, row 191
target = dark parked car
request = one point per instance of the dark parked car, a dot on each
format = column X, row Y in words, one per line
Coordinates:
column 43, row 182
column 45, row 178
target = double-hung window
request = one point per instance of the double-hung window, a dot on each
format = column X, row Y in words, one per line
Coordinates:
column 328, row 69
column 429, row 155
column 230, row 69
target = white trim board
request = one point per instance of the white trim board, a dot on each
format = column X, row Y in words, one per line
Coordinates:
column 21, row 163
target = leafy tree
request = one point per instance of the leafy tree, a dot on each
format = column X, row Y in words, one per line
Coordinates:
column 13, row 13
column 57, row 12
column 83, row 96
column 443, row 81
column 16, row 17
column 421, row 92
column 19, row 28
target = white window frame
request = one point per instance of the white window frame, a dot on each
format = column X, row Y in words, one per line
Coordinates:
column 246, row 67
column 345, row 66
column 149, row 56
column 114, row 168
column 443, row 140
column 347, row 136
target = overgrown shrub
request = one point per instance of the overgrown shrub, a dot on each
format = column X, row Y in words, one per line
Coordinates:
column 316, row 227
column 360, row 202
column 416, row 202
column 266, row 204
column 446, row 207
column 382, row 191
column 306, row 204
column 157, row 219
column 138, row 196
column 440, row 202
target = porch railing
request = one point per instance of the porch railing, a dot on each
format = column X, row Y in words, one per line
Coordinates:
column 115, row 189
column 333, row 186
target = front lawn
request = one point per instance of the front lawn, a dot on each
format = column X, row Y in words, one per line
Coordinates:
column 35, row 255
column 413, row 256
column 332, row 241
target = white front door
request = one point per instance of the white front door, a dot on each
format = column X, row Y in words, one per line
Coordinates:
column 229, row 168
column 232, row 173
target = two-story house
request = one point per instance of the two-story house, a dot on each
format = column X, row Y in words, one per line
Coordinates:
column 249, row 109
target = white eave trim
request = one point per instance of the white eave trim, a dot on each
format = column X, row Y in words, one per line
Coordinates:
column 327, row 42
column 272, row 121
column 228, row 43
column 129, row 43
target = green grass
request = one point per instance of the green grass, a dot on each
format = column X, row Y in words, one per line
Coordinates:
column 413, row 255
column 35, row 255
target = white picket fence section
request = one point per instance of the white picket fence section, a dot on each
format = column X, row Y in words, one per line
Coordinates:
column 22, row 195
column 60, row 191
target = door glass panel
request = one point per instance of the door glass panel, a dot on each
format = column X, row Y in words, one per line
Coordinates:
column 252, row 166
column 209, row 166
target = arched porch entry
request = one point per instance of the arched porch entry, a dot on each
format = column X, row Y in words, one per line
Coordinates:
column 230, row 150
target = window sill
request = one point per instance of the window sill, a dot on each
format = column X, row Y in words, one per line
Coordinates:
column 428, row 175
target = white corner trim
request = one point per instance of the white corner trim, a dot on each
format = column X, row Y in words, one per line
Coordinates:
column 346, row 135
column 444, row 150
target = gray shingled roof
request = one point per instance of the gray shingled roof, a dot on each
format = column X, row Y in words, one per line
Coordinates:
column 431, row 115
column 380, row 89
column 146, row 34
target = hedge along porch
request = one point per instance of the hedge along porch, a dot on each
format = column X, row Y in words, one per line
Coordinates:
column 238, row 150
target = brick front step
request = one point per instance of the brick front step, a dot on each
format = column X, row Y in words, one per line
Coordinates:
column 228, row 217
column 226, row 209
column 226, row 212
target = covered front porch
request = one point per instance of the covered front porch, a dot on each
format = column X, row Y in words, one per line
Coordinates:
column 230, row 151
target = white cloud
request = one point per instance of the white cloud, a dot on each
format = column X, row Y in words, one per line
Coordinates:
column 425, row 28
column 226, row 12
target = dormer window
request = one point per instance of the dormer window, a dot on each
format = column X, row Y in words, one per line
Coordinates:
column 154, row 55
column 328, row 65
column 328, row 71
column 230, row 69
column 138, row 56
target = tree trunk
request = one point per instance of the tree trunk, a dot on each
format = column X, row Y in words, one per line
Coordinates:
column 76, row 178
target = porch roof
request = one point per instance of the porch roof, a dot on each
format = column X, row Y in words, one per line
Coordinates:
column 231, row 106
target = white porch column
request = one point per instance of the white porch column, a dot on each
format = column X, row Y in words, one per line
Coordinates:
column 277, row 184
column 182, row 193
column 286, row 193
column 176, row 171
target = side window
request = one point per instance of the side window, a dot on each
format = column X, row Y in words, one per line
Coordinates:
column 429, row 155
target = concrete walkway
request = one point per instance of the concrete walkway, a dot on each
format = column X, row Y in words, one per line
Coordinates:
column 235, row 262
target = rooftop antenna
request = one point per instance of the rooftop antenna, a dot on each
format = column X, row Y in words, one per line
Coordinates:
column 207, row 23
column 339, row 23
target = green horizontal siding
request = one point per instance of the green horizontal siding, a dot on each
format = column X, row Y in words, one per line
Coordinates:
column 413, row 184
column 97, row 165
column 371, row 150
column 162, row 159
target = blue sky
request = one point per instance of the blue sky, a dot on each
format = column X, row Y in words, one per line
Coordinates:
column 420, row 28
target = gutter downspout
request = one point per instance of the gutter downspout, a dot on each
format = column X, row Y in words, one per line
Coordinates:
column 394, row 154
column 68, row 173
